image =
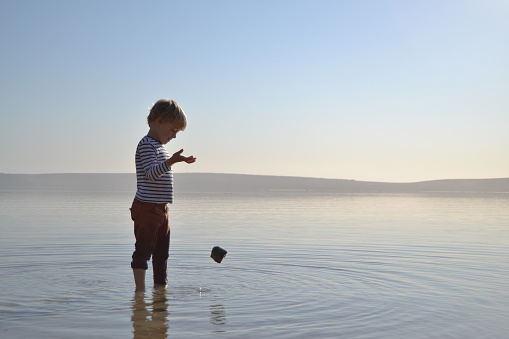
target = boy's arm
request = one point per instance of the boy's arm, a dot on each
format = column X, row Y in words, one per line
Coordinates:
column 152, row 168
column 178, row 157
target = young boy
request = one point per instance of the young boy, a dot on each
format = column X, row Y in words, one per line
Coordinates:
column 149, row 210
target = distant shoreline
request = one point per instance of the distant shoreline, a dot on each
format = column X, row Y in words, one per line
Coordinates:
column 218, row 182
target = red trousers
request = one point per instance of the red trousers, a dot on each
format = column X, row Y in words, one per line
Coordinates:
column 152, row 232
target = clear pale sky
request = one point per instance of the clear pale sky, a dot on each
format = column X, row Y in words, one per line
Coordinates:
column 394, row 91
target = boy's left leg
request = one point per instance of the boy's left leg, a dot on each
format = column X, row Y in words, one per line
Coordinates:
column 139, row 278
column 161, row 253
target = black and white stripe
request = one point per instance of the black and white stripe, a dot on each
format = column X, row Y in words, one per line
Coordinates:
column 154, row 177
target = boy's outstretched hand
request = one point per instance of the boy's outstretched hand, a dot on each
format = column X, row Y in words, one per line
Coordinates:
column 178, row 157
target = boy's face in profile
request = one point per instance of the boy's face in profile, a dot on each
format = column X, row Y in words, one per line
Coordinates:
column 164, row 131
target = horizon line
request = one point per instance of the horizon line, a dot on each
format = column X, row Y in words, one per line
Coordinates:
column 259, row 175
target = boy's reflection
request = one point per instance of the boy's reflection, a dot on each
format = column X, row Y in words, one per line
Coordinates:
column 150, row 319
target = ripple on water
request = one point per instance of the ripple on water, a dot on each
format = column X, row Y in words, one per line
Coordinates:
column 364, row 267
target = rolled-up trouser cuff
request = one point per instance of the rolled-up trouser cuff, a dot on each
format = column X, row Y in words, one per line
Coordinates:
column 139, row 264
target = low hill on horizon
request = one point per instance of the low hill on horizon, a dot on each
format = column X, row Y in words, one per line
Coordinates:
column 217, row 182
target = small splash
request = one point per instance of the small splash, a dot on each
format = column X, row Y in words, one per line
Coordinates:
column 203, row 290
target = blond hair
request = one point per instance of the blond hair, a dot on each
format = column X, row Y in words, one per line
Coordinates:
column 167, row 110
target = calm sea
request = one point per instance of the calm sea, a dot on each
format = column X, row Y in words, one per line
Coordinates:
column 299, row 265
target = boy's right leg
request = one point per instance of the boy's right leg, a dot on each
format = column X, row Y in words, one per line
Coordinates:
column 161, row 253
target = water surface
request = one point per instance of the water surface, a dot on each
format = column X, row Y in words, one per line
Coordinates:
column 299, row 265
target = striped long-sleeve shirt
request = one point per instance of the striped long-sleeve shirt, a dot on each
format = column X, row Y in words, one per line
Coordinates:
column 154, row 177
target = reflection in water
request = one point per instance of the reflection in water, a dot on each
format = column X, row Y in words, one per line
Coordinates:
column 217, row 316
column 150, row 319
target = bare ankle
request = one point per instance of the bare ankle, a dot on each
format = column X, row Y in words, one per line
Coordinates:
column 139, row 278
